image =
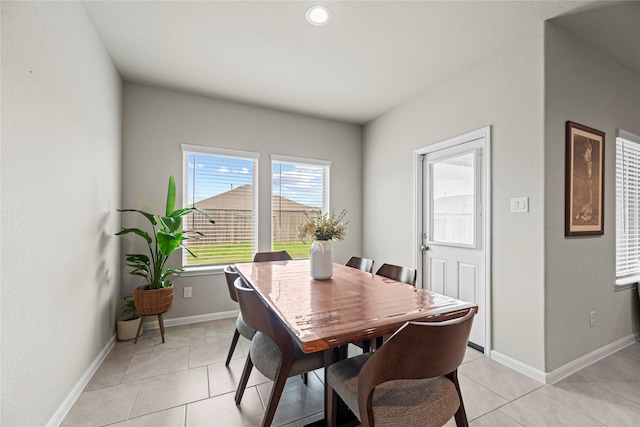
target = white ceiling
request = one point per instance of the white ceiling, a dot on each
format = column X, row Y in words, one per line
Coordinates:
column 371, row 56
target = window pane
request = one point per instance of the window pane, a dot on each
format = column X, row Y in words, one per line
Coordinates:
column 453, row 200
column 296, row 188
column 223, row 187
column 627, row 208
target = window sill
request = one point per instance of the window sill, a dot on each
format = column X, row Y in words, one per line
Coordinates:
column 203, row 271
column 626, row 283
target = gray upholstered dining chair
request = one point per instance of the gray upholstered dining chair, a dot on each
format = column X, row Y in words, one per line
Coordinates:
column 401, row 274
column 364, row 264
column 272, row 256
column 394, row 386
column 241, row 328
column 273, row 351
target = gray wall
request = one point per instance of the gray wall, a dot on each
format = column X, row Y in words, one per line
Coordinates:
column 61, row 125
column 157, row 121
column 504, row 90
column 543, row 285
column 587, row 87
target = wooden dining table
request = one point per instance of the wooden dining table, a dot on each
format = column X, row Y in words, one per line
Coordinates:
column 352, row 306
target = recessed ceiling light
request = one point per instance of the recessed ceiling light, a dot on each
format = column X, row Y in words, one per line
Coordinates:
column 318, row 15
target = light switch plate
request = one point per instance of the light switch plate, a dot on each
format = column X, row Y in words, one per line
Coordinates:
column 519, row 204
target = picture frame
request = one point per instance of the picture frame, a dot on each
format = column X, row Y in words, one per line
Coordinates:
column 584, row 181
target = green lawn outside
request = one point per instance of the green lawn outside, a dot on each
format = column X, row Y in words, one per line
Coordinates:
column 295, row 249
column 241, row 252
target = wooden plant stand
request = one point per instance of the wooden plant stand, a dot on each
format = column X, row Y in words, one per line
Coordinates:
column 152, row 302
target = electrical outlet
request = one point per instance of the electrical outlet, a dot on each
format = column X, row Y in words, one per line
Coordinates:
column 592, row 319
column 187, row 292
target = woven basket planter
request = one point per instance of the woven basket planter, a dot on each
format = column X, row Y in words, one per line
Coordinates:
column 150, row 302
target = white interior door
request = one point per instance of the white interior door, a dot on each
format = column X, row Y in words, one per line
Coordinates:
column 454, row 236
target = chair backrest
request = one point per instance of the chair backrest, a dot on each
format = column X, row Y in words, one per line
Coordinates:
column 260, row 317
column 364, row 264
column 401, row 274
column 271, row 256
column 418, row 350
column 231, row 275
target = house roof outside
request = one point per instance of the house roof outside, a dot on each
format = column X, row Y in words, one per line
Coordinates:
column 239, row 199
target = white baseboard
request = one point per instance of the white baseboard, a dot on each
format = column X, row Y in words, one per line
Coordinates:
column 568, row 369
column 71, row 398
column 586, row 360
column 152, row 323
column 518, row 366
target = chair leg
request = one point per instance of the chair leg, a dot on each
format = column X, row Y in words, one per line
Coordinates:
column 331, row 417
column 234, row 341
column 366, row 346
column 276, row 392
column 379, row 342
column 461, row 415
column 244, row 379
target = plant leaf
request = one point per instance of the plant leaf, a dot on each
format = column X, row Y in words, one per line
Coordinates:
column 139, row 232
column 180, row 212
column 173, row 224
column 171, row 195
column 174, row 271
column 168, row 242
column 135, row 273
column 150, row 217
column 189, row 250
column 203, row 213
column 140, row 257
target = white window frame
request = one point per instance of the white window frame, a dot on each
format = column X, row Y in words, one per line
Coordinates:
column 627, row 140
column 221, row 152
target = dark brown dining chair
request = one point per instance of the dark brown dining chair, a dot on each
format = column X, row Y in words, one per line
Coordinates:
column 273, row 351
column 394, row 386
column 241, row 328
column 401, row 274
column 272, row 256
column 364, row 264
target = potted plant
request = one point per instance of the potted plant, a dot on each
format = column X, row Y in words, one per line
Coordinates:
column 156, row 297
column 322, row 229
column 128, row 316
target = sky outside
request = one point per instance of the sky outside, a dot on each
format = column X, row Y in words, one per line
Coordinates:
column 216, row 174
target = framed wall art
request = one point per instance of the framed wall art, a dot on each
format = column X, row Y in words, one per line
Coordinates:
column 584, row 181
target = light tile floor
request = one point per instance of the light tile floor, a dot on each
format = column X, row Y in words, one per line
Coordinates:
column 184, row 382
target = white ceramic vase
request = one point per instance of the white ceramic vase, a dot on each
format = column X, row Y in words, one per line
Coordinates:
column 321, row 260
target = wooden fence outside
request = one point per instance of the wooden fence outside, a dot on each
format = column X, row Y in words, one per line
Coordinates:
column 234, row 226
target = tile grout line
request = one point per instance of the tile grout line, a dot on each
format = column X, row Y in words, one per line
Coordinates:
column 617, row 397
column 210, row 376
column 134, row 399
column 497, row 394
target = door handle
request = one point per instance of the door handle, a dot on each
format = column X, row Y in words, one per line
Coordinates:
column 424, row 248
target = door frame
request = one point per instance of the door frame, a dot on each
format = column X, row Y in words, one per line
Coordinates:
column 418, row 223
